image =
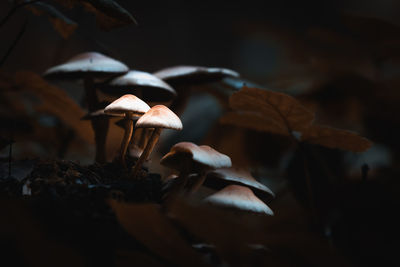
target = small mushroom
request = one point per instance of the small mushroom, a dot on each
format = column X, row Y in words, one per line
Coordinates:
column 193, row 74
column 183, row 78
column 218, row 179
column 101, row 136
column 89, row 66
column 187, row 158
column 142, row 84
column 238, row 197
column 130, row 106
column 158, row 117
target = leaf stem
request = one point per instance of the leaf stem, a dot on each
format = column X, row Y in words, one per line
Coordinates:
column 14, row 43
column 14, row 9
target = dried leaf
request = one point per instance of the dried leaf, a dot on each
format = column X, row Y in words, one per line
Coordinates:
column 335, row 138
column 283, row 110
column 255, row 121
column 109, row 14
column 56, row 102
column 63, row 25
column 148, row 225
column 278, row 113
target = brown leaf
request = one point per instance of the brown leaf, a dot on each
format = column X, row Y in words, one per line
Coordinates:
column 109, row 14
column 335, row 138
column 278, row 113
column 255, row 121
column 56, row 102
column 281, row 110
column 148, row 225
column 63, row 25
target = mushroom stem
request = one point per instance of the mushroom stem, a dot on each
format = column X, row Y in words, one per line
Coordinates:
column 137, row 141
column 184, row 175
column 127, row 136
column 99, row 125
column 197, row 184
column 91, row 95
column 147, row 151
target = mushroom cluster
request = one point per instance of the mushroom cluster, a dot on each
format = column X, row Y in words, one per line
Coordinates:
column 140, row 100
column 114, row 79
column 204, row 166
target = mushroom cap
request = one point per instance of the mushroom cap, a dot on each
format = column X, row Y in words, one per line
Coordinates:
column 201, row 157
column 127, row 103
column 89, row 63
column 220, row 178
column 99, row 113
column 149, row 87
column 239, row 197
column 159, row 116
column 193, row 74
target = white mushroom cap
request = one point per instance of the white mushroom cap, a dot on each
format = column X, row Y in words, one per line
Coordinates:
column 127, row 103
column 188, row 74
column 239, row 197
column 225, row 176
column 87, row 63
column 159, row 116
column 148, row 86
column 204, row 157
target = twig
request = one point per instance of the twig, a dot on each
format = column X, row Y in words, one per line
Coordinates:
column 10, row 157
column 310, row 192
column 14, row 9
column 14, row 43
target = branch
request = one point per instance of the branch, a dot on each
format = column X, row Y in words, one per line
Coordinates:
column 14, row 43
column 14, row 9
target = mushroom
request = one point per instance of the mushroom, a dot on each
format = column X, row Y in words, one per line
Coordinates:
column 218, row 179
column 130, row 106
column 158, row 117
column 184, row 77
column 88, row 66
column 101, row 136
column 142, row 84
column 193, row 74
column 187, row 158
column 238, row 197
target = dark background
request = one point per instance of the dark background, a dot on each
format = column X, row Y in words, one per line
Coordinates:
column 227, row 34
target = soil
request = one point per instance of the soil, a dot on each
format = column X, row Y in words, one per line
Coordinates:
column 70, row 203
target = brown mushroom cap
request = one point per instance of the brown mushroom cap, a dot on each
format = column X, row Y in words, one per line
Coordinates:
column 220, row 178
column 127, row 103
column 238, row 197
column 193, row 74
column 90, row 63
column 160, row 116
column 202, row 157
column 149, row 87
